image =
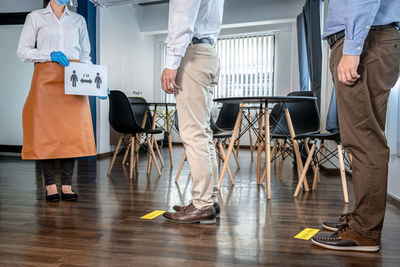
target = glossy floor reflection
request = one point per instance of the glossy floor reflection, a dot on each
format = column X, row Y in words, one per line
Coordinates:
column 104, row 227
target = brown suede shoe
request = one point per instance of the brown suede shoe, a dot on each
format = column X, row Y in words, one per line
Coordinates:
column 192, row 215
column 216, row 207
column 346, row 239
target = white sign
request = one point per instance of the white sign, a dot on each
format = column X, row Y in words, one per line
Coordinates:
column 85, row 79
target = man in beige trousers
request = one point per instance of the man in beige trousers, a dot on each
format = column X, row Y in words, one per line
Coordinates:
column 192, row 70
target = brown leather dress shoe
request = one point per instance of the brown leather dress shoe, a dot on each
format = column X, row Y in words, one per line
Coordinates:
column 192, row 215
column 346, row 239
column 216, row 207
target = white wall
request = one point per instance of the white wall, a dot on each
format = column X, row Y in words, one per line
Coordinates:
column 130, row 58
column 155, row 18
column 7, row 6
column 15, row 76
column 392, row 131
column 15, row 79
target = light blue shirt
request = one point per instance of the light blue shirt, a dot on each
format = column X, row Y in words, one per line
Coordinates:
column 356, row 17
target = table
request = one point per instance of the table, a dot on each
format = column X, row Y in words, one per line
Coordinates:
column 263, row 102
column 167, row 120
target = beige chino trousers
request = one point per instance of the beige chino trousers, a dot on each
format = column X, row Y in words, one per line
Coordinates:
column 197, row 76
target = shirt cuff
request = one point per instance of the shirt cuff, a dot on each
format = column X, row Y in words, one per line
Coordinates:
column 172, row 62
column 353, row 47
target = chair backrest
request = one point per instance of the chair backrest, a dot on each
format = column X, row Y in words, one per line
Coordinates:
column 304, row 114
column 121, row 116
column 139, row 111
column 227, row 117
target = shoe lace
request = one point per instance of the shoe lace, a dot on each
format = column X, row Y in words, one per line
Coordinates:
column 343, row 228
column 345, row 217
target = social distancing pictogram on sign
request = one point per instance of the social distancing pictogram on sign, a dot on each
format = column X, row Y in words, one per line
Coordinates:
column 86, row 79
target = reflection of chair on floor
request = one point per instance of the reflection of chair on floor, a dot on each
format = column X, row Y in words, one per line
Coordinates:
column 222, row 131
column 125, row 121
column 316, row 156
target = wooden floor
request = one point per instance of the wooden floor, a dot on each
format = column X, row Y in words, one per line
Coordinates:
column 104, row 227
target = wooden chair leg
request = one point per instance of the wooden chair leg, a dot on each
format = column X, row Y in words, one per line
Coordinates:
column 308, row 151
column 159, row 154
column 259, row 148
column 128, row 147
column 304, row 172
column 238, row 141
column 169, row 136
column 274, row 149
column 350, row 157
column 133, row 160
column 316, row 173
column 230, row 148
column 153, row 156
column 115, row 155
column 222, row 153
column 137, row 156
column 251, row 144
column 343, row 173
column 180, row 167
column 296, row 148
column 282, row 160
column 236, row 158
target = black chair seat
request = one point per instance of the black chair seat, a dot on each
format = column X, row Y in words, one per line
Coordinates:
column 222, row 134
column 154, row 131
column 279, row 136
column 335, row 136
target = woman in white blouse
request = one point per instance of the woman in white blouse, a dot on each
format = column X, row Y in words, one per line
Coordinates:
column 55, row 125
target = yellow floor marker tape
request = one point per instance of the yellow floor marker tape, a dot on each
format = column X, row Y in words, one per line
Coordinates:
column 153, row 214
column 307, row 233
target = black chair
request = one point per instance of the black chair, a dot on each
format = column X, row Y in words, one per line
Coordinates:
column 124, row 121
column 141, row 109
column 317, row 157
column 305, row 120
column 222, row 131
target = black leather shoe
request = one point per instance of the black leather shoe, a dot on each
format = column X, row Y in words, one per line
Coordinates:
column 336, row 224
column 69, row 197
column 52, row 198
column 216, row 207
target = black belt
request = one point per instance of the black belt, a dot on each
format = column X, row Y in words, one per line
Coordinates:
column 332, row 39
column 202, row 41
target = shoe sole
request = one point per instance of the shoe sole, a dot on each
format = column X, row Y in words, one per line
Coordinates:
column 357, row 248
column 208, row 221
column 218, row 216
column 330, row 228
column 71, row 199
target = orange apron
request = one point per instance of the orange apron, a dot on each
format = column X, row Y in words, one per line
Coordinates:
column 55, row 125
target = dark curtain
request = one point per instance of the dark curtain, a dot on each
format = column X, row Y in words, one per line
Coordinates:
column 311, row 13
column 302, row 48
column 332, row 121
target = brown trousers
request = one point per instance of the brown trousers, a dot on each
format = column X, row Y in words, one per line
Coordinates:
column 362, row 118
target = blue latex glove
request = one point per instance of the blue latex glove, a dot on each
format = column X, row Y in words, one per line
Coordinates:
column 104, row 97
column 59, row 57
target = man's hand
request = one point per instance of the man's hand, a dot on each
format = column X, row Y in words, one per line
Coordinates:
column 347, row 69
column 168, row 81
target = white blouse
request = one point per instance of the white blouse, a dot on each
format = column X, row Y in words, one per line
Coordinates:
column 44, row 33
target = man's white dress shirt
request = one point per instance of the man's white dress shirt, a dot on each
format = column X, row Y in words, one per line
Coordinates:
column 44, row 33
column 188, row 19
